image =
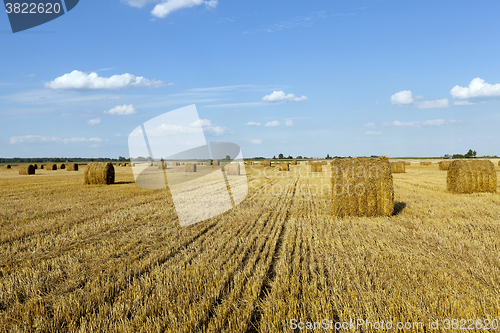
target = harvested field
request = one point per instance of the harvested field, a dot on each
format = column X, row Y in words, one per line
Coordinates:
column 114, row 258
column 469, row 176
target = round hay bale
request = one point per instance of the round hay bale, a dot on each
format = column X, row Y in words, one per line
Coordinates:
column 444, row 165
column 407, row 163
column 425, row 163
column 61, row 166
column 51, row 167
column 26, row 169
column 284, row 166
column 398, row 167
column 294, row 162
column 469, row 176
column 99, row 173
column 316, row 167
column 72, row 167
column 36, row 166
column 233, row 169
column 190, row 167
column 41, row 167
column 7, row 166
column 266, row 163
column 362, row 187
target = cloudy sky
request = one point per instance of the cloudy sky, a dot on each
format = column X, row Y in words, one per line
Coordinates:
column 344, row 77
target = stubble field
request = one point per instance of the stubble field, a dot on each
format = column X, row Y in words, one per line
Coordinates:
column 113, row 258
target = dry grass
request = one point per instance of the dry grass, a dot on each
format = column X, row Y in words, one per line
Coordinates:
column 398, row 167
column 99, row 173
column 469, row 176
column 114, row 259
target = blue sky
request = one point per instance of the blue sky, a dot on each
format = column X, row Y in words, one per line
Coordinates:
column 344, row 77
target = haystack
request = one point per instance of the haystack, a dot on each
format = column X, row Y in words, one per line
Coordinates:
column 362, row 187
column 498, row 163
column 99, row 173
column 7, row 166
column 232, row 169
column 284, row 166
column 398, row 167
column 407, row 163
column 26, row 169
column 190, row 167
column 41, row 167
column 294, row 162
column 72, row 167
column 444, row 165
column 469, row 176
column 266, row 163
column 36, row 166
column 316, row 167
column 425, row 163
column 51, row 167
column 61, row 166
column 324, row 162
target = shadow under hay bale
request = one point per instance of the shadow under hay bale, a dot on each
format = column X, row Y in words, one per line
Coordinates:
column 61, row 166
column 469, row 176
column 232, row 169
column 7, row 166
column 72, row 167
column 26, row 169
column 398, row 207
column 398, row 167
column 444, row 165
column 190, row 167
column 99, row 173
column 284, row 166
column 51, row 167
column 362, row 187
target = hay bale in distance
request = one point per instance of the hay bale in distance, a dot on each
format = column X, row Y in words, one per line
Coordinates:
column 190, row 167
column 266, row 163
column 425, row 163
column 398, row 167
column 232, row 169
column 36, row 166
column 8, row 166
column 469, row 176
column 498, row 163
column 41, row 167
column 407, row 163
column 324, row 162
column 26, row 169
column 294, row 162
column 99, row 173
column 316, row 167
column 51, row 167
column 362, row 187
column 61, row 166
column 72, row 167
column 284, row 166
column 444, row 165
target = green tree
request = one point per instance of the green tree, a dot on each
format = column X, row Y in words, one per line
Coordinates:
column 280, row 156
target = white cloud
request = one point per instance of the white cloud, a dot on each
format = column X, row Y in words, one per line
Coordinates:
column 436, row 104
column 402, row 98
column 373, row 133
column 288, row 122
column 45, row 139
column 461, row 103
column 122, row 110
column 166, row 7
column 419, row 97
column 208, row 126
column 272, row 123
column 256, row 141
column 94, row 121
column 138, row 3
column 434, row 122
column 280, row 96
column 252, row 123
column 477, row 88
column 77, row 80
column 369, row 125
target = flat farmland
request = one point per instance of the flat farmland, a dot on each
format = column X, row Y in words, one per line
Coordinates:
column 80, row 258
